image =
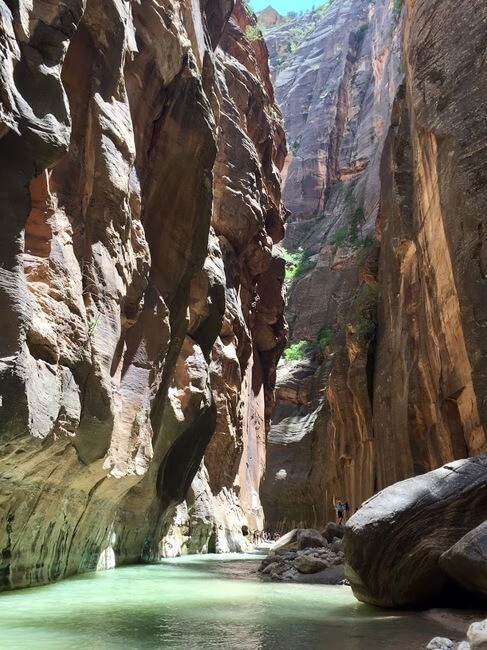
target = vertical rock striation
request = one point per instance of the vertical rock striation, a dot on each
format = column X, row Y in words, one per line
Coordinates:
column 141, row 307
column 430, row 397
column 336, row 73
column 393, row 380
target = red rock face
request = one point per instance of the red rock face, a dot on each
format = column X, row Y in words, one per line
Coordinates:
column 393, row 381
column 141, row 202
column 335, row 76
column 432, row 308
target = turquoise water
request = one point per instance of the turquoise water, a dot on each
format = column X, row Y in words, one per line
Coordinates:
column 200, row 602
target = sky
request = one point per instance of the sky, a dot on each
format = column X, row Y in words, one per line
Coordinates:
column 283, row 6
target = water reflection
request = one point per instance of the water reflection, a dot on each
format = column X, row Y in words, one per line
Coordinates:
column 202, row 602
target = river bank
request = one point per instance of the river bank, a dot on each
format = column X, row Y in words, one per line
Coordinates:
column 203, row 602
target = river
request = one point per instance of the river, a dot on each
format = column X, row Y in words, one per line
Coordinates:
column 200, row 602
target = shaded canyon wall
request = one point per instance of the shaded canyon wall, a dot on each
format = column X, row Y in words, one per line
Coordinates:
column 140, row 293
column 385, row 185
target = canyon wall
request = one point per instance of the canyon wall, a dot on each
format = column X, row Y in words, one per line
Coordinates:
column 386, row 375
column 140, row 292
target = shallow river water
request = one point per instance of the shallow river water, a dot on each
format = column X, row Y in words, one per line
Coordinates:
column 200, row 602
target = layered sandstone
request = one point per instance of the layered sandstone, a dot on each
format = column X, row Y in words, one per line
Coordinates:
column 391, row 295
column 431, row 374
column 141, row 307
column 336, row 72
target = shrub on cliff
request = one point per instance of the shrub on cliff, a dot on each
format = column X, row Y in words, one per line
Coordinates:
column 254, row 32
column 297, row 263
column 296, row 351
column 325, row 337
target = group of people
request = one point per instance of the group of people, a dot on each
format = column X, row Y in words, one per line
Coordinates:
column 342, row 508
column 264, row 536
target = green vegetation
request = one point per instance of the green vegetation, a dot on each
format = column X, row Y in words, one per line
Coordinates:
column 299, row 350
column 297, row 263
column 291, row 15
column 350, row 233
column 341, row 236
column 298, row 33
column 356, row 218
column 296, row 351
column 92, row 326
column 325, row 337
column 254, row 32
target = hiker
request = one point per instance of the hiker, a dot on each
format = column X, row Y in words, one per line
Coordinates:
column 347, row 509
column 340, row 508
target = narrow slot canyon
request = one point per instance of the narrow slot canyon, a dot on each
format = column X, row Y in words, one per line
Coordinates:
column 243, row 309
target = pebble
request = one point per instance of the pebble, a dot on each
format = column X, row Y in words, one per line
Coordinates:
column 439, row 643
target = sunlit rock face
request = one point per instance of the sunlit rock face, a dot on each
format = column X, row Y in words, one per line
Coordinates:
column 336, row 74
column 384, row 182
column 140, row 150
column 431, row 371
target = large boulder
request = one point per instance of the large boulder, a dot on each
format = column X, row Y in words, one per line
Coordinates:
column 333, row 530
column 309, row 564
column 310, row 538
column 289, row 541
column 466, row 561
column 393, row 544
column 298, row 539
column 477, row 635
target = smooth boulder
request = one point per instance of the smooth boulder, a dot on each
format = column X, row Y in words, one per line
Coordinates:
column 309, row 564
column 477, row 635
column 310, row 538
column 333, row 530
column 394, row 542
column 466, row 561
column 439, row 643
column 287, row 541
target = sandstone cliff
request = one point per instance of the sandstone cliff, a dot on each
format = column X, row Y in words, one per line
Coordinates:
column 141, row 307
column 387, row 304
